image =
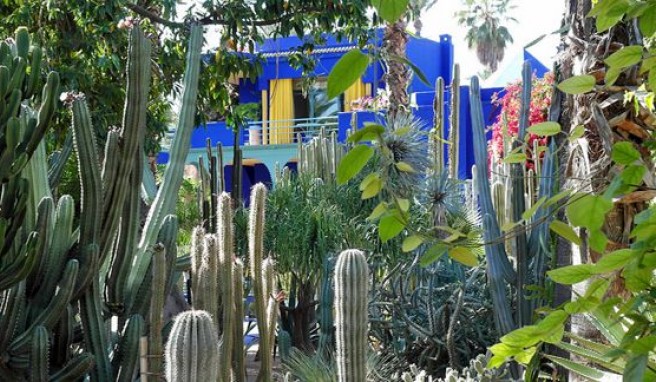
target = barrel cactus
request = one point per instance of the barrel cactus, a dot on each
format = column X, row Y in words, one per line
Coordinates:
column 192, row 351
column 351, row 290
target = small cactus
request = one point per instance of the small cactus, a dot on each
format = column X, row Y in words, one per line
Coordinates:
column 192, row 351
column 351, row 290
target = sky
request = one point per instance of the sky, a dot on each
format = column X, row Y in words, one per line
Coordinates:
column 534, row 17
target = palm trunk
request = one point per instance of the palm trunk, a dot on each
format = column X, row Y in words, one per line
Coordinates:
column 395, row 41
column 586, row 162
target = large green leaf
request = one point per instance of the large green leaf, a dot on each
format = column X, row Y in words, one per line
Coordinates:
column 582, row 370
column 578, row 84
column 433, row 254
column 369, row 132
column 346, row 71
column 463, row 255
column 624, row 153
column 545, row 129
column 411, row 243
column 353, row 162
column 625, row 57
column 614, row 260
column 390, row 10
column 588, row 211
column 564, row 230
column 572, row 274
column 390, row 226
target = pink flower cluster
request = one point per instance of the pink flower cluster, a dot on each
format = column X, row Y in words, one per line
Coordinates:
column 507, row 123
column 126, row 23
column 369, row 103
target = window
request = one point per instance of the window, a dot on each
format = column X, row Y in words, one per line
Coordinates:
column 316, row 104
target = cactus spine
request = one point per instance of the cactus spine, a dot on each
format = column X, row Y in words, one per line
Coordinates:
column 351, row 295
column 192, row 351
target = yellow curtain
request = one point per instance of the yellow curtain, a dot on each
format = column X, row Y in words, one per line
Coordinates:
column 356, row 91
column 263, row 136
column 281, row 109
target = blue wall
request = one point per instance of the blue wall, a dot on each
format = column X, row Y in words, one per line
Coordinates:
column 434, row 58
column 424, row 112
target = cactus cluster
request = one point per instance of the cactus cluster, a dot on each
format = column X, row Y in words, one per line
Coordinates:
column 438, row 133
column 320, row 156
column 217, row 289
column 477, row 371
column 504, row 199
column 51, row 272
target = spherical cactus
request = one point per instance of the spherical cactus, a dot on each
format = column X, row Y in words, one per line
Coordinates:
column 192, row 351
column 351, row 289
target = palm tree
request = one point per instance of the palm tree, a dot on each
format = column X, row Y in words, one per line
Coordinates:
column 486, row 32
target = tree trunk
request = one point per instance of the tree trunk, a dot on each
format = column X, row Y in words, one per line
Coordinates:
column 586, row 162
column 395, row 41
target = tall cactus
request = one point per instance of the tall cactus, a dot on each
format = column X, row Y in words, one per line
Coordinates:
column 261, row 281
column 192, row 351
column 505, row 201
column 226, row 253
column 53, row 273
column 351, row 320
column 454, row 124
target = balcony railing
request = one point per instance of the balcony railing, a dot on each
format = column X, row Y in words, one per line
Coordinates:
column 287, row 131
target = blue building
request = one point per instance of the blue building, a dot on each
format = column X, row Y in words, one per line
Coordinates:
column 288, row 112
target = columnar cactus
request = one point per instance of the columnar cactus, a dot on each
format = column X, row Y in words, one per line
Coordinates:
column 262, row 276
column 320, row 156
column 192, row 351
column 437, row 134
column 351, row 320
column 454, row 123
column 226, row 253
column 238, row 329
column 56, row 274
column 157, row 312
column 504, row 199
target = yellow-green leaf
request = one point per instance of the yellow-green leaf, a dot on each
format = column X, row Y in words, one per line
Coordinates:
column 515, row 158
column 578, row 84
column 572, row 274
column 588, row 211
column 576, row 133
column 390, row 10
column 463, row 255
column 353, row 162
column 380, row 209
column 625, row 57
column 369, row 132
column 405, row 167
column 372, row 189
column 390, row 226
column 411, row 243
column 545, row 129
column 346, row 71
column 624, row 153
column 404, row 204
column 565, row 231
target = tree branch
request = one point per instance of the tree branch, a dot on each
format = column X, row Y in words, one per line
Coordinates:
column 214, row 20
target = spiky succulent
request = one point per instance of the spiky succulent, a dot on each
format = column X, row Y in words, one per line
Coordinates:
column 404, row 141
